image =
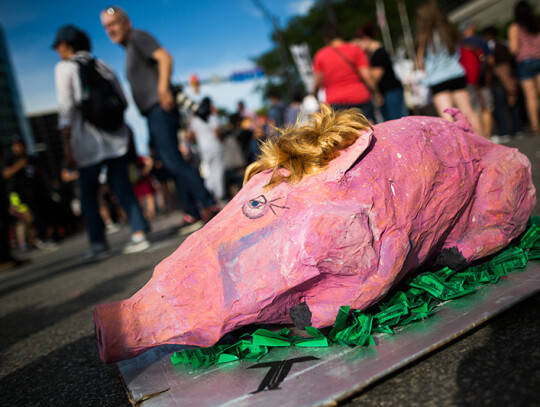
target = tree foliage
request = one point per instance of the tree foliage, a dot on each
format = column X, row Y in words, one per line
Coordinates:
column 351, row 15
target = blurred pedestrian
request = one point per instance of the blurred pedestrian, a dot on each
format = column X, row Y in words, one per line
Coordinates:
column 164, row 193
column 143, row 185
column 235, row 159
column 204, row 127
column 276, row 113
column 504, row 87
column 27, row 179
column 438, row 55
column 294, row 109
column 524, row 43
column 71, row 198
column 244, row 121
column 475, row 53
column 343, row 70
column 110, row 211
column 382, row 72
column 7, row 260
column 149, row 67
column 245, row 114
column 259, row 135
column 89, row 148
column 24, row 232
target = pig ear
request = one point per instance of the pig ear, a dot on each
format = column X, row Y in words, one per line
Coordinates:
column 348, row 157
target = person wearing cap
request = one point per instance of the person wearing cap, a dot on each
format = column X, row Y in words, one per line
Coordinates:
column 89, row 148
column 148, row 69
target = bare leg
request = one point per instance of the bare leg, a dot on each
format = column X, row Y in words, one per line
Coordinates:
column 150, row 205
column 537, row 80
column 463, row 102
column 487, row 122
column 443, row 101
column 142, row 204
column 487, row 111
column 105, row 215
column 160, row 199
column 531, row 102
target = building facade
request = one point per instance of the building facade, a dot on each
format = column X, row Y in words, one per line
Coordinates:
column 12, row 119
column 48, row 142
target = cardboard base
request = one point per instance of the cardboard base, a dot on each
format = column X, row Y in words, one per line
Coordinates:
column 344, row 371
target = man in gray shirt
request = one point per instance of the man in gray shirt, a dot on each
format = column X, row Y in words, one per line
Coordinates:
column 148, row 69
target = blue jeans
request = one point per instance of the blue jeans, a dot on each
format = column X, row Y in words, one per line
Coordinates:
column 118, row 179
column 163, row 126
column 503, row 112
column 528, row 69
column 394, row 105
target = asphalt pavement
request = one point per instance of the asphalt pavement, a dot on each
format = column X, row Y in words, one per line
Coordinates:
column 48, row 355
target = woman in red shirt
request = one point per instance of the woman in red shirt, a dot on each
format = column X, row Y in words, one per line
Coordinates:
column 343, row 70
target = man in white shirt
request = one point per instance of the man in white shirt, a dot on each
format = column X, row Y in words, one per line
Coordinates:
column 89, row 148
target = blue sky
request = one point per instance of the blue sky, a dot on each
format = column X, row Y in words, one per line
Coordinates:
column 208, row 38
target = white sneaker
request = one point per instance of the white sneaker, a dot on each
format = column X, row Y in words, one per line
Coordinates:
column 138, row 243
column 112, row 228
column 46, row 246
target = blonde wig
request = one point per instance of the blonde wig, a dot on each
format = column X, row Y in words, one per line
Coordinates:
column 306, row 148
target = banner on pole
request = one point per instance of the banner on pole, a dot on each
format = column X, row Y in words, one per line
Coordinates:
column 302, row 60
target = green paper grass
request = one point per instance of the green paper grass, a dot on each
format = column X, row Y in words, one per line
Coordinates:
column 356, row 328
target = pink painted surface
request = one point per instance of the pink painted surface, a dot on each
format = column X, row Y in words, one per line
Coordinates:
column 388, row 204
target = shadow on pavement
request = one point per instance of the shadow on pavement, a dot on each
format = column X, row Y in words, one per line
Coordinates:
column 54, row 267
column 506, row 370
column 28, row 321
column 41, row 272
column 38, row 272
column 70, row 376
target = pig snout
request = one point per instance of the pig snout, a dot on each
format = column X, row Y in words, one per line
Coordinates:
column 180, row 304
column 163, row 312
column 111, row 335
column 201, row 291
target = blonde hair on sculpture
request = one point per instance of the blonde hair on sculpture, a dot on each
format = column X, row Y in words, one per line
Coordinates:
column 307, row 148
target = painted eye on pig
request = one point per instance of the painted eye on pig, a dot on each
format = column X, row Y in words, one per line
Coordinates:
column 257, row 207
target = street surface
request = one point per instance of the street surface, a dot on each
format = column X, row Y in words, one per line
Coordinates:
column 48, row 355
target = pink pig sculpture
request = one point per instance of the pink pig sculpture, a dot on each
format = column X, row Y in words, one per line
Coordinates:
column 405, row 194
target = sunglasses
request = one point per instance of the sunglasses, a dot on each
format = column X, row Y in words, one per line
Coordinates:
column 117, row 12
column 111, row 10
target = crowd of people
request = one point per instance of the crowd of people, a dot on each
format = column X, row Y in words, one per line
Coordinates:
column 494, row 81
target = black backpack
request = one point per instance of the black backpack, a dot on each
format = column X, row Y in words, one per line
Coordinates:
column 100, row 105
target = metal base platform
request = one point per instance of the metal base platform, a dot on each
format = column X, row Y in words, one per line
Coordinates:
column 152, row 380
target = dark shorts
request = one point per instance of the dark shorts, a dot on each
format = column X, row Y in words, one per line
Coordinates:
column 528, row 69
column 450, row 85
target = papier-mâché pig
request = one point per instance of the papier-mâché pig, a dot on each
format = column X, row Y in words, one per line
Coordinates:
column 408, row 192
